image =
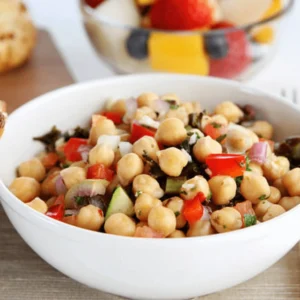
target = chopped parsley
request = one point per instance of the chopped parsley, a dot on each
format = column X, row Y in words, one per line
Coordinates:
column 49, row 139
column 174, row 106
column 221, row 138
column 177, row 213
column 138, row 193
column 238, row 180
column 216, row 125
column 263, row 197
column 249, row 220
column 64, row 166
column 183, row 192
column 79, row 200
column 247, row 164
column 209, row 196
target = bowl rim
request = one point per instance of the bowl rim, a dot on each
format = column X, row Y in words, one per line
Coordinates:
column 76, row 233
column 89, row 12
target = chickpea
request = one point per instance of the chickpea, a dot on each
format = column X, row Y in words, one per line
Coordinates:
column 176, row 205
column 162, row 220
column 177, row 234
column 200, row 228
column 38, row 204
column 206, row 146
column 72, row 176
column 102, row 126
column 291, row 182
column 256, row 168
column 275, row 195
column 223, row 189
column 238, row 141
column 143, row 204
column 193, row 186
column 275, row 167
column 146, row 145
column 25, row 188
column 128, row 167
column 289, row 202
column 254, row 187
column 172, row 161
column 119, row 106
column 179, row 113
column 102, row 154
column 141, row 224
column 171, row 97
column 226, row 219
column 171, row 132
column 32, row 168
column 263, row 129
column 261, row 208
column 273, row 211
column 192, row 107
column 120, row 224
column 48, row 186
column 146, row 184
column 230, row 111
column 90, row 217
column 144, row 111
column 147, row 99
column 278, row 183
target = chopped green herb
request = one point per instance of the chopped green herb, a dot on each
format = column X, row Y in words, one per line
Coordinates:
column 188, row 127
column 183, row 192
column 177, row 213
column 221, row 138
column 49, row 139
column 238, row 180
column 249, row 220
column 263, row 197
column 79, row 132
column 68, row 215
column 138, row 193
column 79, row 200
column 216, row 125
column 186, row 145
column 247, row 164
column 209, row 196
column 64, row 166
column 224, row 226
column 174, row 106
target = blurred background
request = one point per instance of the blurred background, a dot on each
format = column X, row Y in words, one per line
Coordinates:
column 63, row 20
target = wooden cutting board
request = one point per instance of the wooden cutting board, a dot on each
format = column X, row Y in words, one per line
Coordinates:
column 25, row 276
column 44, row 72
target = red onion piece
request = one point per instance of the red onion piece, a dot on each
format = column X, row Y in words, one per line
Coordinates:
column 131, row 107
column 161, row 106
column 258, row 152
column 60, row 186
column 84, row 151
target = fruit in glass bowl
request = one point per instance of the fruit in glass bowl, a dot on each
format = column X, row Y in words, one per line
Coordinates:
column 221, row 38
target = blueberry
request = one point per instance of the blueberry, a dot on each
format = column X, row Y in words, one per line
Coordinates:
column 216, row 45
column 137, row 44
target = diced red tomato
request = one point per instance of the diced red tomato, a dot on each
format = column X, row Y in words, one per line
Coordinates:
column 147, row 232
column 60, row 200
column 245, row 208
column 71, row 149
column 270, row 142
column 233, row 165
column 193, row 209
column 56, row 212
column 139, row 131
column 113, row 116
column 215, row 130
column 49, row 160
column 99, row 171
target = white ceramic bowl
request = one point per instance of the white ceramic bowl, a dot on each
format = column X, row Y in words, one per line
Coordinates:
column 144, row 268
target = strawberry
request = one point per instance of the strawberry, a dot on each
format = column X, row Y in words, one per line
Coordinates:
column 182, row 14
column 237, row 58
column 93, row 3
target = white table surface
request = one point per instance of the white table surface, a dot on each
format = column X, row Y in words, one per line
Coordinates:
column 62, row 19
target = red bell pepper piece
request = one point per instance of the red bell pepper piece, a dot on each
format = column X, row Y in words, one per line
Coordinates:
column 71, row 149
column 113, row 116
column 233, row 165
column 193, row 209
column 99, row 171
column 57, row 210
column 139, row 131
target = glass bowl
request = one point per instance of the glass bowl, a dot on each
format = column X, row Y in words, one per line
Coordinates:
column 235, row 53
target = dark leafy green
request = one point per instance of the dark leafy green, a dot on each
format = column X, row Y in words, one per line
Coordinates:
column 290, row 148
column 79, row 132
column 49, row 139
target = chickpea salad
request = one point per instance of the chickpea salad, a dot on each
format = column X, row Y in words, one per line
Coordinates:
column 157, row 167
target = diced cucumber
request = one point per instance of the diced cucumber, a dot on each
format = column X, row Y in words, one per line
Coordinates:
column 174, row 184
column 120, row 203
